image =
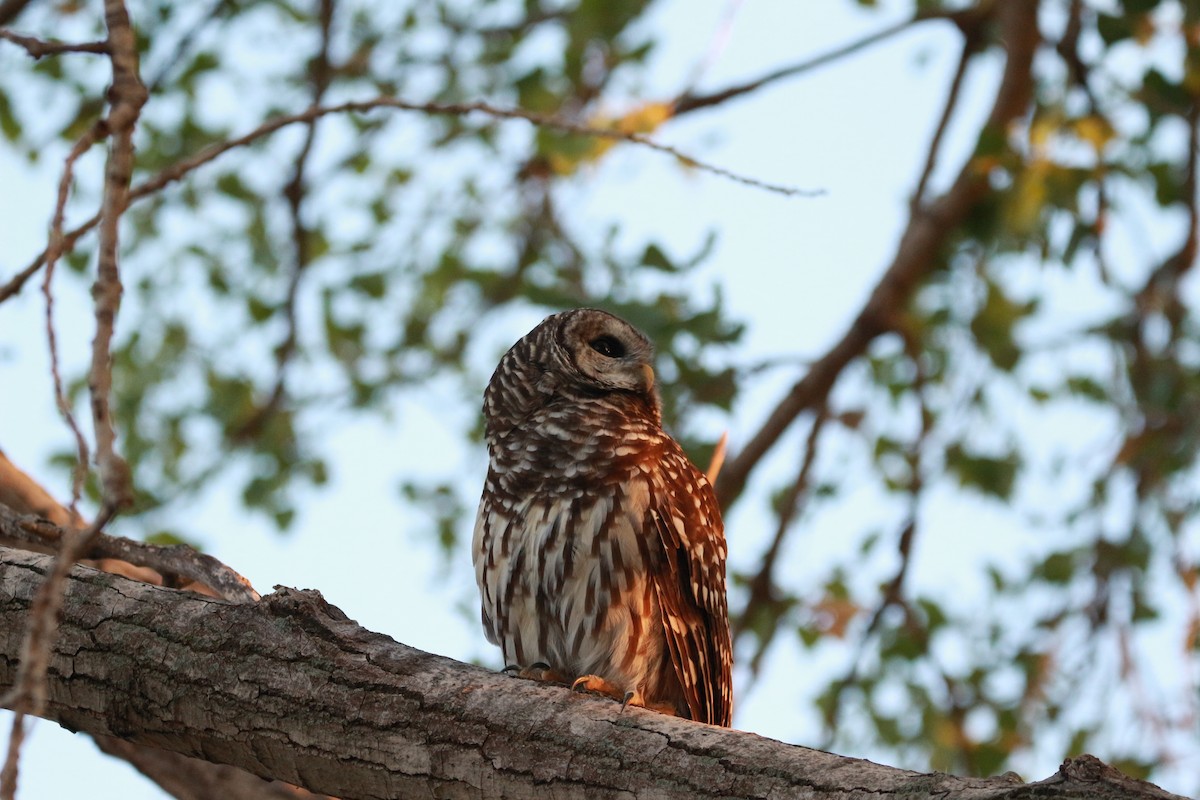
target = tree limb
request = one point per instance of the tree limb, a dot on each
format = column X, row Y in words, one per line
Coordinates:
column 40, row 48
column 291, row 689
column 929, row 229
column 10, row 9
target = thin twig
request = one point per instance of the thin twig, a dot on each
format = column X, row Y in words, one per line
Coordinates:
column 320, row 75
column 53, row 252
column 40, row 48
column 29, row 692
column 1079, row 72
column 892, row 596
column 12, row 759
column 182, row 168
column 693, row 102
column 935, row 146
column 893, row 591
column 183, row 46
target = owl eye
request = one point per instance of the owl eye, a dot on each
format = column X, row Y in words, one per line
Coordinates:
column 607, row 346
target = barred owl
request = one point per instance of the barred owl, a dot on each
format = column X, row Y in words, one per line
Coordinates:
column 598, row 547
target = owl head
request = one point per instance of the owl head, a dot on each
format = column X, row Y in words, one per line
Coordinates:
column 578, row 355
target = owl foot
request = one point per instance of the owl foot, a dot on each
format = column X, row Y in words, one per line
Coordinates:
column 537, row 671
column 598, row 685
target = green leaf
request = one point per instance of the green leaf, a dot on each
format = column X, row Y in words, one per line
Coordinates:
column 259, row 309
column 1162, row 96
column 9, row 124
column 231, row 184
column 991, row 475
column 372, row 284
column 1088, row 388
column 655, row 258
column 1113, row 28
column 1057, row 568
column 994, row 325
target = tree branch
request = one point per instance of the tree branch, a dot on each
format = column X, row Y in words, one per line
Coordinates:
column 185, row 778
column 320, row 74
column 929, row 229
column 10, row 9
column 185, row 166
column 689, row 102
column 127, row 96
column 175, row 565
column 291, row 689
column 40, row 48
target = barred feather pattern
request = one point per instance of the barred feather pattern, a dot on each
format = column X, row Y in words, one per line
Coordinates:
column 598, row 547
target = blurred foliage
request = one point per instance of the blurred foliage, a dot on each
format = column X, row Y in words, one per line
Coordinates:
column 332, row 269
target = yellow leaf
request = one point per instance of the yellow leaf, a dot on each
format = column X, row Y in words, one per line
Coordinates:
column 569, row 153
column 1041, row 130
column 645, row 118
column 1029, row 195
column 948, row 734
column 1094, row 130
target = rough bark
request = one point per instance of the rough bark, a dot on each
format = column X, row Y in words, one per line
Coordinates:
column 291, row 689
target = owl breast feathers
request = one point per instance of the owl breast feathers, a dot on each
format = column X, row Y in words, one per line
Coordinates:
column 598, row 547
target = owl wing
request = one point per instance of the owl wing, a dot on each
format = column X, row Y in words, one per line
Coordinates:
column 690, row 583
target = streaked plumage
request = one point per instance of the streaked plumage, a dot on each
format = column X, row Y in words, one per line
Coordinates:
column 598, row 547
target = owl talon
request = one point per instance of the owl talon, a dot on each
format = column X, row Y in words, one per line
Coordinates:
column 597, row 685
column 537, row 671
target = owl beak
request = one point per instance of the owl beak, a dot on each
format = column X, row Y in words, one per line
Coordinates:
column 648, row 377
